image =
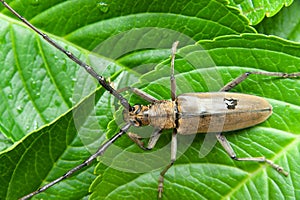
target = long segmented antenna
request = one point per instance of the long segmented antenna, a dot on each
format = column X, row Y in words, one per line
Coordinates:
column 100, row 79
column 99, row 152
column 88, row 68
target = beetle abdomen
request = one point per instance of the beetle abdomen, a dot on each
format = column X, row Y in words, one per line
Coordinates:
column 220, row 112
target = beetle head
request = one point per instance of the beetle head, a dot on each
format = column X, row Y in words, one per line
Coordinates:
column 137, row 115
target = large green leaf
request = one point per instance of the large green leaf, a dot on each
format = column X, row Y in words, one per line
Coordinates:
column 285, row 24
column 216, row 176
column 38, row 82
column 257, row 10
column 41, row 91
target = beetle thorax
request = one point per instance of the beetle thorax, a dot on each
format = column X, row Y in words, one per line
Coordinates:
column 161, row 114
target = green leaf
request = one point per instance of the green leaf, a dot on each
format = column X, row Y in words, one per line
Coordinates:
column 42, row 155
column 4, row 142
column 216, row 176
column 256, row 10
column 47, row 101
column 39, row 87
column 285, row 24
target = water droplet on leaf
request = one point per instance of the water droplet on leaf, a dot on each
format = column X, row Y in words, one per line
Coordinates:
column 10, row 96
column 33, row 84
column 103, row 7
column 19, row 109
column 35, row 2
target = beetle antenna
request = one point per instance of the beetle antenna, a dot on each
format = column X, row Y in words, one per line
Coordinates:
column 74, row 58
column 87, row 162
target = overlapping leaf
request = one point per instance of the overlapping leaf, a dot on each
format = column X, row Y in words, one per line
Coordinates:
column 285, row 24
column 257, row 10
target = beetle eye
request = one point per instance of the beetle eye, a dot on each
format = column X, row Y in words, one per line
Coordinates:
column 132, row 109
column 138, row 109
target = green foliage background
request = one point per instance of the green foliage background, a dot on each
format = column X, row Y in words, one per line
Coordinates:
column 39, row 140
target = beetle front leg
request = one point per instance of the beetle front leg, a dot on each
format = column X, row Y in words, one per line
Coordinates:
column 222, row 139
column 151, row 143
column 244, row 76
column 140, row 93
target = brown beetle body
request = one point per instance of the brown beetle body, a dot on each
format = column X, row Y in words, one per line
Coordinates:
column 214, row 112
column 192, row 113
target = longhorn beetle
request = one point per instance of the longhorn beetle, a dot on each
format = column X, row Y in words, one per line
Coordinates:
column 229, row 111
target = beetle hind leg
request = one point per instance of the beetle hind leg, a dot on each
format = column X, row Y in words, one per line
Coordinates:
column 222, row 139
column 264, row 160
column 244, row 76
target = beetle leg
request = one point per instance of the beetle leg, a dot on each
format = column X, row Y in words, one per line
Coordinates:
column 140, row 93
column 242, row 77
column 154, row 138
column 136, row 139
column 173, row 158
column 172, row 77
column 152, row 141
column 232, row 154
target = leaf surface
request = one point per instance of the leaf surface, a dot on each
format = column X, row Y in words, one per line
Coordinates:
column 216, row 176
column 257, row 10
column 48, row 102
column 285, row 24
